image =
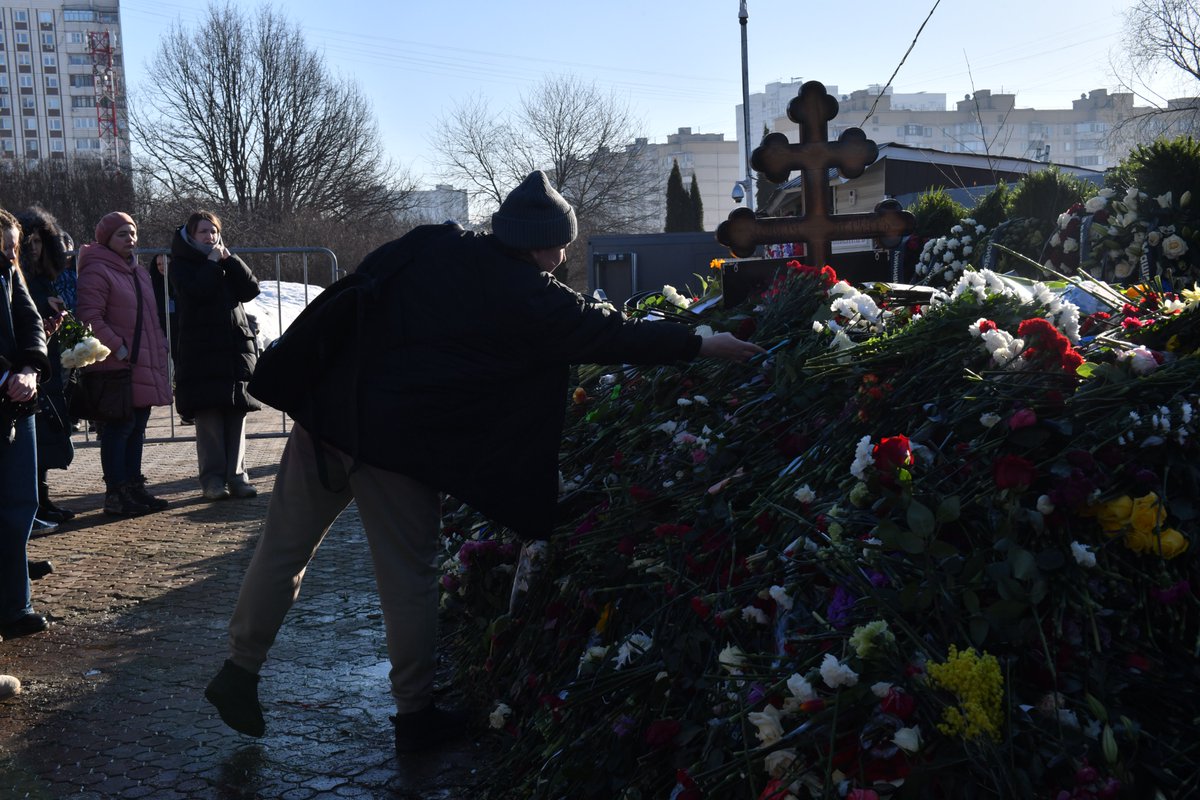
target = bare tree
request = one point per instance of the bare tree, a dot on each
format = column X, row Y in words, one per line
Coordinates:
column 585, row 141
column 244, row 114
column 78, row 191
column 1162, row 35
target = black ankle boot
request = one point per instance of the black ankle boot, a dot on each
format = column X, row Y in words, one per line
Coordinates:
column 39, row 569
column 120, row 502
column 46, row 508
column 234, row 693
column 137, row 488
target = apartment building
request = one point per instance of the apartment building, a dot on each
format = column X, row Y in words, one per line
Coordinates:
column 708, row 156
column 62, row 86
column 1085, row 135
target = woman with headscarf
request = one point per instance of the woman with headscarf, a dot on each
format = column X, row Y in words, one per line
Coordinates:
column 117, row 300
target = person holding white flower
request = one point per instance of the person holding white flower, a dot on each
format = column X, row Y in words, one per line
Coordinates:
column 23, row 361
column 469, row 370
column 43, row 260
column 116, row 300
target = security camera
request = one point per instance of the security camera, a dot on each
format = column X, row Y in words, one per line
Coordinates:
column 738, row 194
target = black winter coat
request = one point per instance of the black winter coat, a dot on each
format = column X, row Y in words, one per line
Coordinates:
column 54, row 447
column 22, row 337
column 217, row 348
column 463, row 384
column 23, row 344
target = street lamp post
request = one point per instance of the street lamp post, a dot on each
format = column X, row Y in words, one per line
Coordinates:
column 743, row 17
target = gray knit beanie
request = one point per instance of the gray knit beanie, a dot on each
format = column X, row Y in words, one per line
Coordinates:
column 534, row 216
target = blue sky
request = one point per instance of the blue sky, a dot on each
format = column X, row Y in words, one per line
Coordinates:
column 676, row 62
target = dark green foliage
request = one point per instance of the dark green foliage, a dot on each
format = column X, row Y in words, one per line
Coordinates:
column 697, row 205
column 1163, row 166
column 1045, row 194
column 679, row 205
column 1034, row 205
column 989, row 211
column 936, row 212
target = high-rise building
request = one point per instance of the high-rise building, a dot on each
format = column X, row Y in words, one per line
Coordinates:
column 62, row 81
column 707, row 156
column 1086, row 135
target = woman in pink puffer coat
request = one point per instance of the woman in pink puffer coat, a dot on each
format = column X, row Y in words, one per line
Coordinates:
column 111, row 288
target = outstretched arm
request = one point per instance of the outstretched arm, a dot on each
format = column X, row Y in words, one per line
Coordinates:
column 728, row 347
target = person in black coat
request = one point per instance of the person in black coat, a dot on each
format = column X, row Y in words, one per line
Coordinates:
column 23, row 361
column 464, row 391
column 217, row 352
column 43, row 260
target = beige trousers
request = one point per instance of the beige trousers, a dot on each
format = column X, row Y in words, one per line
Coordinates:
column 402, row 520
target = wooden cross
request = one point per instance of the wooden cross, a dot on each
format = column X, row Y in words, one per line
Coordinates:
column 852, row 153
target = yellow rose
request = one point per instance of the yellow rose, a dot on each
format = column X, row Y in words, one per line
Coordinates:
column 1172, row 543
column 1141, row 541
column 1147, row 513
column 1114, row 514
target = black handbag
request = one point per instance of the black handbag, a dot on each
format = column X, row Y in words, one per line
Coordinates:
column 102, row 396
column 107, row 395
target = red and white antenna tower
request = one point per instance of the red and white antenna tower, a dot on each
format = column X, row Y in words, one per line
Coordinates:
column 100, row 45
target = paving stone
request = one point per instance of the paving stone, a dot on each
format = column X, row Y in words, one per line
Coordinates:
column 113, row 702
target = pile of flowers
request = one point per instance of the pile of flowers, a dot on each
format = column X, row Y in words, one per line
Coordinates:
column 927, row 547
column 1118, row 239
column 943, row 259
column 79, row 347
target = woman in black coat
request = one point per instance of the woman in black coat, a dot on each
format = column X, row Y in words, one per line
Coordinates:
column 217, row 352
column 23, row 362
column 43, row 260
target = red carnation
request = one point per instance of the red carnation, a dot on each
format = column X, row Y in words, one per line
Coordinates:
column 1013, row 472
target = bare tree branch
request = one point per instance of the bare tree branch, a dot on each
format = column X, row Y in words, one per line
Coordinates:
column 245, row 115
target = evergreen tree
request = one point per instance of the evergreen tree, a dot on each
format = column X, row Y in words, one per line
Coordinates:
column 763, row 188
column 679, row 206
column 697, row 206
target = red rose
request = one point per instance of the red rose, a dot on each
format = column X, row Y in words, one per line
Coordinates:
column 892, row 453
column 1013, row 472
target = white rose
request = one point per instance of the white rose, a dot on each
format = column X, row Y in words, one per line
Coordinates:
column 781, row 597
column 1174, row 246
column 989, row 419
column 1095, row 204
column 1044, row 505
column 804, row 494
column 1164, row 200
column 1070, row 245
column 1153, row 238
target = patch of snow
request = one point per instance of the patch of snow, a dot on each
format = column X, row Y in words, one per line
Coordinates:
column 277, row 304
